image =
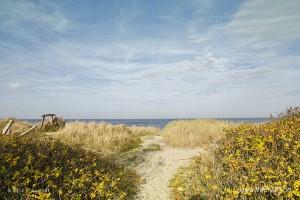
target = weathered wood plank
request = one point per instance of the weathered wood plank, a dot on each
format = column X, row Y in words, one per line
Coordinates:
column 28, row 130
column 48, row 115
column 42, row 122
column 7, row 127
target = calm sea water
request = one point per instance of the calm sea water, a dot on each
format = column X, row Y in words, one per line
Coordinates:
column 160, row 123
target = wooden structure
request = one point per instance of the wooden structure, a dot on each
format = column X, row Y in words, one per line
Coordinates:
column 53, row 116
column 7, row 127
column 55, row 122
column 28, row 130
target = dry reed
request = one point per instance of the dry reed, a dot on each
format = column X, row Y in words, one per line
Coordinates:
column 103, row 137
column 191, row 133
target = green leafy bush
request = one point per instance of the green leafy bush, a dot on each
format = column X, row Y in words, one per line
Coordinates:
column 36, row 167
column 252, row 162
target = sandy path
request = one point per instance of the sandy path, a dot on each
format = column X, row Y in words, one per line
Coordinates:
column 160, row 167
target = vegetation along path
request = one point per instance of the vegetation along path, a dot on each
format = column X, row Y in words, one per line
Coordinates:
column 160, row 166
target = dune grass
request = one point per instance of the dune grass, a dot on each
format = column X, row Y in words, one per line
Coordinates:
column 3, row 122
column 75, row 162
column 252, row 161
column 191, row 133
column 106, row 138
column 17, row 127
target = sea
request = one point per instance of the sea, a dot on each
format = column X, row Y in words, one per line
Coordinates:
column 159, row 123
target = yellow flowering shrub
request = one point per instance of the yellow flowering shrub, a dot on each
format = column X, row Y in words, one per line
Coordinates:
column 253, row 161
column 36, row 167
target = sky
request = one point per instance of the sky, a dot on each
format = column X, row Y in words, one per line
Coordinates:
column 149, row 58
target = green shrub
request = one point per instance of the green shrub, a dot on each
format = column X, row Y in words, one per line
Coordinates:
column 36, row 167
column 252, row 162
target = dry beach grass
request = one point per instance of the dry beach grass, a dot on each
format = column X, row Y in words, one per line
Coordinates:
column 103, row 137
column 17, row 127
column 191, row 133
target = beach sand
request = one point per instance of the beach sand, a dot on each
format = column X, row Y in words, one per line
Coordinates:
column 160, row 167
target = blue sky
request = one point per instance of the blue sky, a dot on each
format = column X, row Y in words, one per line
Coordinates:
column 149, row 59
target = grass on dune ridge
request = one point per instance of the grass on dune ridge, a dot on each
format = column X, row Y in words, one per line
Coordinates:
column 103, row 137
column 74, row 162
column 64, row 165
column 191, row 133
column 252, row 161
column 17, row 127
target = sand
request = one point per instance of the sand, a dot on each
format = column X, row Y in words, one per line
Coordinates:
column 160, row 167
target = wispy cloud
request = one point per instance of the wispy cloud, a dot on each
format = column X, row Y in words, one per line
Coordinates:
column 199, row 54
column 266, row 24
column 21, row 16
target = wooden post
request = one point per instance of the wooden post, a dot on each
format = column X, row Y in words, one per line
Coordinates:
column 43, row 119
column 28, row 130
column 7, row 127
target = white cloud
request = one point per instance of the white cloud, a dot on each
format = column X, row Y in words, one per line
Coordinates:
column 19, row 17
column 266, row 24
column 14, row 85
column 231, row 61
column 141, row 67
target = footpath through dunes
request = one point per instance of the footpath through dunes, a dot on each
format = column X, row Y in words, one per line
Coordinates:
column 160, row 166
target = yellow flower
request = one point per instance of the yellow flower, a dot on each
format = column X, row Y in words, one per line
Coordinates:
column 180, row 189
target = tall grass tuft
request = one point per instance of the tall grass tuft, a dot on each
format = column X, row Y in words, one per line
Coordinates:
column 104, row 137
column 191, row 133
